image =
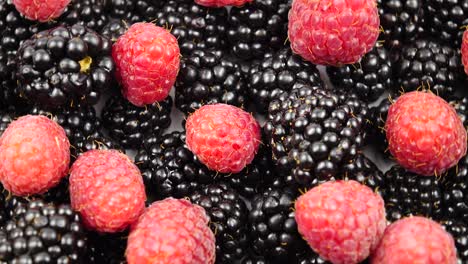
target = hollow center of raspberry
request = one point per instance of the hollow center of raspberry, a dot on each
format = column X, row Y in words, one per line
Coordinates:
column 85, row 64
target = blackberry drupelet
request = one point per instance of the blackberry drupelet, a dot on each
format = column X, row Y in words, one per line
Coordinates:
column 273, row 228
column 96, row 142
column 106, row 248
column 459, row 230
column 129, row 124
column 136, row 10
column 209, row 77
column 169, row 168
column 455, row 191
column 364, row 171
column 257, row 28
column 369, row 79
column 401, row 20
column 406, row 193
column 194, row 26
column 228, row 220
column 430, row 65
column 446, row 19
column 314, row 133
column 310, row 257
column 280, row 72
column 63, row 66
column 89, row 13
column 43, row 233
column 5, row 119
column 114, row 29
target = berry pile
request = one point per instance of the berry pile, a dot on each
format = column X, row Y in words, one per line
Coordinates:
column 233, row 131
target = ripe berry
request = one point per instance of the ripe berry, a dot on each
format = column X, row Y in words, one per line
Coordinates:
column 147, row 62
column 41, row 11
column 425, row 134
column 221, row 3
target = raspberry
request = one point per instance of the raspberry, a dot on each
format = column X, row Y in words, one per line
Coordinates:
column 425, row 134
column 42, row 11
column 221, row 3
column 34, row 155
column 172, row 231
column 333, row 32
column 225, row 138
column 342, row 221
column 464, row 51
column 107, row 189
column 147, row 62
column 415, row 240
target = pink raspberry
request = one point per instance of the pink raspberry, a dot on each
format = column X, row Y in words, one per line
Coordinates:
column 147, row 61
column 221, row 3
column 107, row 189
column 172, row 231
column 331, row 32
column 415, row 240
column 42, row 11
column 34, row 155
column 225, row 138
column 464, row 51
column 342, row 221
column 425, row 134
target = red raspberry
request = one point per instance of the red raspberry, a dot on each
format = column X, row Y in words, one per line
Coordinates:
column 172, row 231
column 342, row 221
column 424, row 133
column 333, row 32
column 147, row 61
column 415, row 240
column 107, row 189
column 34, row 155
column 225, row 138
column 221, row 3
column 464, row 51
column 42, row 11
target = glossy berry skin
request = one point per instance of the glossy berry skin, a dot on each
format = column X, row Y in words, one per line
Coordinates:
column 88, row 13
column 147, row 62
column 42, row 11
column 425, row 134
column 172, row 231
column 464, row 51
column 459, row 230
column 333, row 32
column 342, row 221
column 34, row 155
column 415, row 239
column 446, row 19
column 225, row 138
column 221, row 3
column 107, row 189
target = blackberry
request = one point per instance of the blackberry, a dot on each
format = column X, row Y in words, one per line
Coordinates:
column 446, row 19
column 5, row 119
column 280, row 72
column 253, row 259
column 364, row 171
column 136, row 11
column 88, row 13
column 129, row 124
column 455, row 191
column 43, row 233
column 369, row 79
column 459, row 230
column 96, row 142
column 228, row 220
column 114, row 29
column 169, row 168
column 314, row 133
column 63, row 66
column 258, row 27
column 430, row 65
column 106, row 248
column 310, row 257
column 401, row 20
column 209, row 77
column 406, row 193
column 273, row 228
column 194, row 26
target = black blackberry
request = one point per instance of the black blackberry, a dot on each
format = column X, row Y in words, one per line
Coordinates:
column 228, row 220
column 406, row 193
column 106, row 248
column 5, row 119
column 401, row 20
column 257, row 28
column 3, row 206
column 310, row 257
column 114, row 29
column 430, row 65
column 135, row 10
column 446, row 19
column 455, row 191
column 89, row 13
column 369, row 79
column 364, row 171
column 64, row 65
column 43, row 233
column 280, row 72
column 209, row 77
column 314, row 133
column 194, row 26
column 129, row 124
column 169, row 168
column 459, row 230
column 96, row 142
column 253, row 259
column 273, row 228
